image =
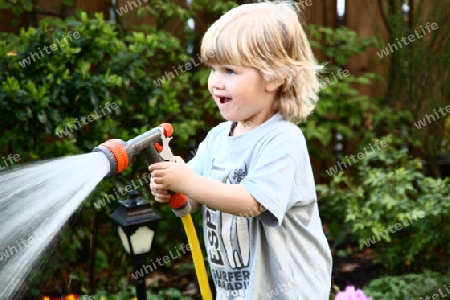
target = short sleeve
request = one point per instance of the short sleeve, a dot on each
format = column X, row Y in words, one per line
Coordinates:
column 270, row 182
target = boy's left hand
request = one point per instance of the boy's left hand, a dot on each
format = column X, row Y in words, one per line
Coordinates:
column 171, row 176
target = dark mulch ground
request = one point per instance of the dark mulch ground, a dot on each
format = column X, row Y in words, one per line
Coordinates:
column 357, row 269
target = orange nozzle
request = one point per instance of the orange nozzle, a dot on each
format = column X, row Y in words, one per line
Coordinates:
column 177, row 201
column 119, row 152
column 168, row 129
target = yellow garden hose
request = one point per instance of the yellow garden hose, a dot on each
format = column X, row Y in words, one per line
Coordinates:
column 197, row 256
column 181, row 207
column 155, row 145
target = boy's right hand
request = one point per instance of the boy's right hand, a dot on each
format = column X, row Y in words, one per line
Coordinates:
column 162, row 195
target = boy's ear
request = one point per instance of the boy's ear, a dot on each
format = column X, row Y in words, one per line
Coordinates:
column 273, row 85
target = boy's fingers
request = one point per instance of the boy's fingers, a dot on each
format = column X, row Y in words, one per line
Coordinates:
column 159, row 182
column 162, row 198
column 158, row 166
column 157, row 187
column 160, row 191
column 157, row 173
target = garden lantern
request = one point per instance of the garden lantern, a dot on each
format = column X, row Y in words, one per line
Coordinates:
column 137, row 225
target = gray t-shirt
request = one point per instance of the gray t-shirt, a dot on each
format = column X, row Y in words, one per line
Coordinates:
column 283, row 253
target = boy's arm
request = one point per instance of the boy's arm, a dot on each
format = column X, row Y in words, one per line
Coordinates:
column 228, row 198
column 194, row 205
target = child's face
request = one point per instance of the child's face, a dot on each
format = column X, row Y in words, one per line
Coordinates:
column 241, row 94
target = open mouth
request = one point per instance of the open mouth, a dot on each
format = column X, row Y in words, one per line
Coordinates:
column 224, row 100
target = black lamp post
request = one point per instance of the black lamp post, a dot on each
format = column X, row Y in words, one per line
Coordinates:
column 137, row 225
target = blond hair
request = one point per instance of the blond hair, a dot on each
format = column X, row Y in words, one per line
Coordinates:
column 268, row 36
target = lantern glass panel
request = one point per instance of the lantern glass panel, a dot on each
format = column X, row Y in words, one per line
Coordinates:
column 141, row 240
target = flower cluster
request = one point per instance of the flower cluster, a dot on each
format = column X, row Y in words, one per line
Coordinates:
column 351, row 294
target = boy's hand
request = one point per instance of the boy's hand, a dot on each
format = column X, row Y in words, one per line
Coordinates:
column 168, row 176
column 161, row 195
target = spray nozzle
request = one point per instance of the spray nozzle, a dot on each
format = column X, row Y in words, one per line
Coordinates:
column 155, row 145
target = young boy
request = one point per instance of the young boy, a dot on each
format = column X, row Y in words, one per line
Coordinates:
column 252, row 173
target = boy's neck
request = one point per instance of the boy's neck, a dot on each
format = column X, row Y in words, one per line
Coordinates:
column 242, row 127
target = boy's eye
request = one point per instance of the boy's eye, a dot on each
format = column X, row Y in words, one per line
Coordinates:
column 223, row 70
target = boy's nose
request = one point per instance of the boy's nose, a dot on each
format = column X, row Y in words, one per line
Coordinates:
column 216, row 83
column 219, row 86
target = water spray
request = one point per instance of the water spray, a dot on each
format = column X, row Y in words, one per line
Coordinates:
column 155, row 145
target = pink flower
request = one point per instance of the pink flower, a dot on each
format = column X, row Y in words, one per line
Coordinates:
column 351, row 294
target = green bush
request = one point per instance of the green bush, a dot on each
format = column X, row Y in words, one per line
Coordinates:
column 53, row 92
column 341, row 107
column 391, row 189
column 410, row 286
column 162, row 294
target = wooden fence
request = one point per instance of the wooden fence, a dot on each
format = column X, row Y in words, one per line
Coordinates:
column 360, row 15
